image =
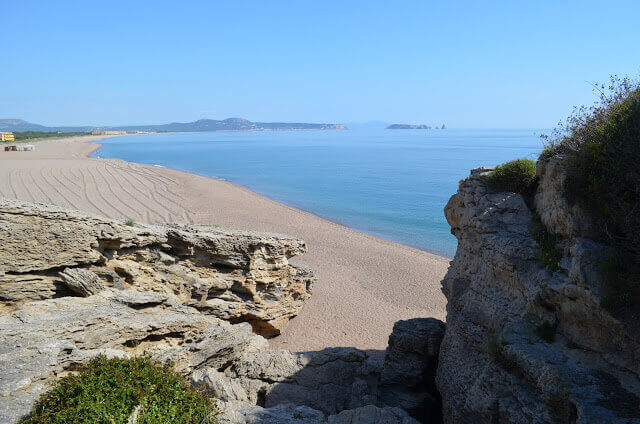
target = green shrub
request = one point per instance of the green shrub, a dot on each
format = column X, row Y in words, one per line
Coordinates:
column 109, row 390
column 518, row 176
column 129, row 222
column 603, row 177
column 547, row 152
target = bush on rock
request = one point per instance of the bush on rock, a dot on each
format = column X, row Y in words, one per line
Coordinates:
column 118, row 391
column 517, row 176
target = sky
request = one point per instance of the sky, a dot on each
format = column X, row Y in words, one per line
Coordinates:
column 469, row 64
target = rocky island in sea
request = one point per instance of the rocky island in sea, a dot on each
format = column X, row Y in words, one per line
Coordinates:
column 414, row 127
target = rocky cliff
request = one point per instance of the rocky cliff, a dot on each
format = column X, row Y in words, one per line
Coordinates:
column 525, row 342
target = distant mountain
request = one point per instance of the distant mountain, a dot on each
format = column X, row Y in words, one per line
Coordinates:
column 230, row 124
column 408, row 127
column 19, row 125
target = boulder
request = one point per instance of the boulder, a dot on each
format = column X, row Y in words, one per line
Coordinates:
column 82, row 281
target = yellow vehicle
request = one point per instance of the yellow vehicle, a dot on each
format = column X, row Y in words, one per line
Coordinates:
column 7, row 136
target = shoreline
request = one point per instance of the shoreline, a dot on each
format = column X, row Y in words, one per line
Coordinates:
column 266, row 197
column 365, row 283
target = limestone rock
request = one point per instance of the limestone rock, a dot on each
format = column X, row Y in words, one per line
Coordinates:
column 232, row 275
column 124, row 290
column 557, row 214
column 330, row 380
column 82, row 281
column 234, row 413
column 16, row 289
column 408, row 375
column 372, row 414
column 42, row 339
column 525, row 344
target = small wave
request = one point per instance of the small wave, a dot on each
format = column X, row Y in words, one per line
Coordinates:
column 159, row 166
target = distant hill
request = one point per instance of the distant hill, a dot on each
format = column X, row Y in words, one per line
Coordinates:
column 230, row 124
column 19, row 125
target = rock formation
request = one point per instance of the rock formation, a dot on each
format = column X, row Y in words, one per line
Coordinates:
column 74, row 286
column 344, row 385
column 237, row 276
column 524, row 343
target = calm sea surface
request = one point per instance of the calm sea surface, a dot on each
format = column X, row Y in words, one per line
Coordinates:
column 389, row 183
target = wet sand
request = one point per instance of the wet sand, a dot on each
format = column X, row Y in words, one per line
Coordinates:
column 364, row 285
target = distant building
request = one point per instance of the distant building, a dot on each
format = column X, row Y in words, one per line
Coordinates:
column 108, row 132
column 7, row 136
column 19, row 148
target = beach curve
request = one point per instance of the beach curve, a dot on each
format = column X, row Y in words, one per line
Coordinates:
column 365, row 283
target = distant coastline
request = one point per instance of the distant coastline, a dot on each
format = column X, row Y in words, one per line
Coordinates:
column 229, row 124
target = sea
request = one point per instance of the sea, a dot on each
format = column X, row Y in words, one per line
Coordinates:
column 392, row 184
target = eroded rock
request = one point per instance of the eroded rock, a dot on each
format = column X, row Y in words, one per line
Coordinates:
column 232, row 275
column 523, row 343
column 42, row 339
column 82, row 281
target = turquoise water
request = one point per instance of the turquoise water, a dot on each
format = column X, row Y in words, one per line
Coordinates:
column 390, row 183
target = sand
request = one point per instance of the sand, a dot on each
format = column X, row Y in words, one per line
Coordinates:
column 364, row 285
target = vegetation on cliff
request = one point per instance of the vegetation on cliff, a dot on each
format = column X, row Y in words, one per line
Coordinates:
column 603, row 177
column 518, row 176
column 115, row 390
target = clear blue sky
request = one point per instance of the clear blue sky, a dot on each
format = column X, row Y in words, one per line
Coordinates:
column 470, row 64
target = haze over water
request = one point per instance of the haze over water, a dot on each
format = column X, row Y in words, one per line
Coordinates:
column 390, row 183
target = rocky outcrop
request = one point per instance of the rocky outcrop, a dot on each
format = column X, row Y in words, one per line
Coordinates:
column 232, row 275
column 524, row 343
column 74, row 286
column 43, row 339
column 339, row 385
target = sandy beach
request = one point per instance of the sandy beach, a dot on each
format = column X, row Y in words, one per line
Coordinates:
column 364, row 285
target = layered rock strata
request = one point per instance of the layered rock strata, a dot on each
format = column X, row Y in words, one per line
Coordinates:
column 237, row 276
column 524, row 343
column 73, row 286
